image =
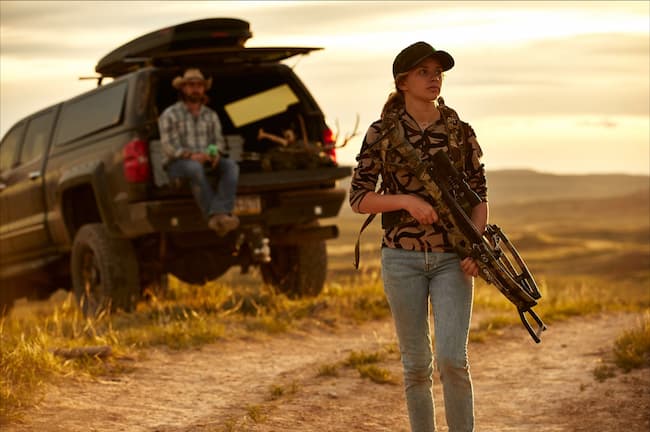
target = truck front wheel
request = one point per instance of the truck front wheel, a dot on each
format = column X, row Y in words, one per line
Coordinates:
column 104, row 271
column 297, row 270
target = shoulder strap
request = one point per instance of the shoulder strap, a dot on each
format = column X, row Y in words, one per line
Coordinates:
column 455, row 131
column 357, row 248
column 383, row 150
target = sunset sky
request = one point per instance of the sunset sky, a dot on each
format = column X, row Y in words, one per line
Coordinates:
column 560, row 87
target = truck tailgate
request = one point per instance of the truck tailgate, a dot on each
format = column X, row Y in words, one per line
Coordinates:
column 290, row 179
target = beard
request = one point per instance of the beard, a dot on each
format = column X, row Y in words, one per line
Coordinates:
column 194, row 97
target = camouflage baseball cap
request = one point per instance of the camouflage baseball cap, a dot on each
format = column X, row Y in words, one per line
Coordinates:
column 413, row 54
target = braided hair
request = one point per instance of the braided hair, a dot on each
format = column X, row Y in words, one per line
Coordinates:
column 395, row 101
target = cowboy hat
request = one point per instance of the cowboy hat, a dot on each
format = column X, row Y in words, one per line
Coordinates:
column 191, row 75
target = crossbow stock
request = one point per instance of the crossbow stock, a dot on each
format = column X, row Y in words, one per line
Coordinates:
column 498, row 261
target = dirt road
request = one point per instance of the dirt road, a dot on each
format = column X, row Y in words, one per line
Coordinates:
column 273, row 384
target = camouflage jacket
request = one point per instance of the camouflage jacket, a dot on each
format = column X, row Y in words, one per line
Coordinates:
column 373, row 161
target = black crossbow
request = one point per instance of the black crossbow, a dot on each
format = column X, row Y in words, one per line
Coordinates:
column 499, row 262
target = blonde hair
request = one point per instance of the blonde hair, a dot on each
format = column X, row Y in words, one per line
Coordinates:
column 395, row 100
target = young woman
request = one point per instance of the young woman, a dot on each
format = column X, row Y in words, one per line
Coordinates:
column 418, row 264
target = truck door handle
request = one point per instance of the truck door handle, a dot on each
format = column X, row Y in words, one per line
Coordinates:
column 34, row 175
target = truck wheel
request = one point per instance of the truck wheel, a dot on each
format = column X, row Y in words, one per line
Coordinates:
column 104, row 271
column 297, row 270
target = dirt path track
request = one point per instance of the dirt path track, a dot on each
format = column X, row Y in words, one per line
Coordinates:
column 519, row 386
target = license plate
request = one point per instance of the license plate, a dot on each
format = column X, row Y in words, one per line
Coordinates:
column 248, row 205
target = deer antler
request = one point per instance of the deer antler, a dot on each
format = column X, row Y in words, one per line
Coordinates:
column 348, row 137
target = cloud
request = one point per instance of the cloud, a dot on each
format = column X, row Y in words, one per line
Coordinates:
column 584, row 74
column 69, row 30
column 602, row 123
column 270, row 17
column 524, row 59
column 555, row 144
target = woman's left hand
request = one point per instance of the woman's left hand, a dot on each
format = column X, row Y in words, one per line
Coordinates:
column 469, row 267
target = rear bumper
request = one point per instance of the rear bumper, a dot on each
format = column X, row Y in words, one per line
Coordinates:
column 178, row 215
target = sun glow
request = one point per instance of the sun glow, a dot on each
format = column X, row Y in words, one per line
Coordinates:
column 533, row 78
column 567, row 144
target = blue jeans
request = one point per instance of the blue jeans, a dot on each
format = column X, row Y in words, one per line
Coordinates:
column 210, row 201
column 411, row 280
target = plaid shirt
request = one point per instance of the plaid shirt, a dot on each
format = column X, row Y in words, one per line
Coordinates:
column 180, row 131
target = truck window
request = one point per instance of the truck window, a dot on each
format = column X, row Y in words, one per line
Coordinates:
column 9, row 147
column 37, row 136
column 91, row 113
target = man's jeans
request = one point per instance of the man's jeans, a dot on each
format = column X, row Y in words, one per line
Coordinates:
column 211, row 202
column 411, row 279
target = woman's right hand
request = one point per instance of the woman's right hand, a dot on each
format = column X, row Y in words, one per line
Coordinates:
column 422, row 211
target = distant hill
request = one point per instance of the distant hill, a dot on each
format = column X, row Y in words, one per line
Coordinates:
column 522, row 186
column 511, row 186
column 622, row 212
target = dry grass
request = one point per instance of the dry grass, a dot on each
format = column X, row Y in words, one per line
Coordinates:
column 194, row 316
column 581, row 268
column 376, row 374
column 23, row 372
column 361, row 358
column 632, row 348
column 366, row 364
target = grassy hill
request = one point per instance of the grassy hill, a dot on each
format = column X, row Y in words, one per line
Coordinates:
column 521, row 186
column 563, row 224
column 621, row 212
column 509, row 186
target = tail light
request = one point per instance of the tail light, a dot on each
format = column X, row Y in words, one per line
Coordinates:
column 329, row 143
column 136, row 161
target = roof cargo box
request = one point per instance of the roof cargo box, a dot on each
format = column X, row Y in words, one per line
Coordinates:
column 205, row 33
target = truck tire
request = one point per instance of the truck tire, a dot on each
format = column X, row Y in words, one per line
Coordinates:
column 297, row 270
column 104, row 271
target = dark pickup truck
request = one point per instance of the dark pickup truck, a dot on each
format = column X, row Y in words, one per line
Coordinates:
column 86, row 205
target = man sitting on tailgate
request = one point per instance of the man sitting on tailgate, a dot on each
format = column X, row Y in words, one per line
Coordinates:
column 189, row 133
